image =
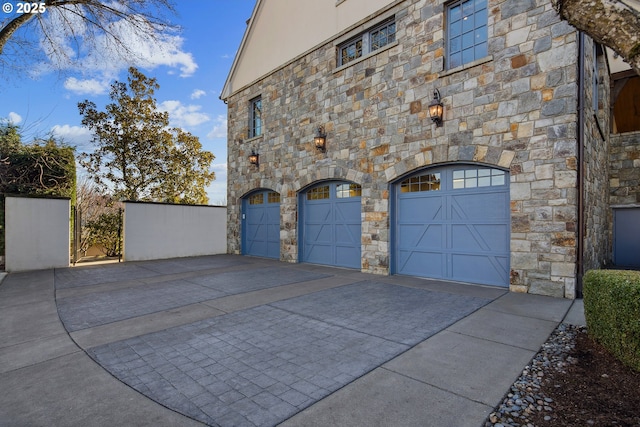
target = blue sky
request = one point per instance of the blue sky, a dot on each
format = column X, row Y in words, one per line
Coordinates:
column 191, row 71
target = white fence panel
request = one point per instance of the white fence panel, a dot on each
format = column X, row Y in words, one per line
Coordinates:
column 159, row 231
column 36, row 233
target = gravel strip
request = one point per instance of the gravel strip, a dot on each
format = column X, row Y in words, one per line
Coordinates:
column 524, row 397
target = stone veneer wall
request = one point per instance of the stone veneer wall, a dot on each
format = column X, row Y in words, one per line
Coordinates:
column 515, row 110
column 624, row 178
column 597, row 248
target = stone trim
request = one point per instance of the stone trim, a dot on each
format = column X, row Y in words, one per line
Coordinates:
column 262, row 184
column 329, row 173
column 480, row 154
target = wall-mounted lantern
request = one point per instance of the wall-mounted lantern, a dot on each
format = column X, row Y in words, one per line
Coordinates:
column 320, row 140
column 254, row 158
column 436, row 109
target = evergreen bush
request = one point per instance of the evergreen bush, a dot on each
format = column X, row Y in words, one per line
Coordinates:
column 612, row 311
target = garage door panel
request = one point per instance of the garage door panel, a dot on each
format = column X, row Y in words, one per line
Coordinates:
column 411, row 209
column 318, row 234
column 422, row 236
column 347, row 256
column 331, row 225
column 319, row 213
column 478, row 237
column 485, row 205
column 348, row 233
column 261, row 224
column 318, row 253
column 421, row 263
column 348, row 212
column 454, row 227
column 479, row 269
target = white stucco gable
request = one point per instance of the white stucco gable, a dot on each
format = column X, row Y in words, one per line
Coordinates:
column 281, row 30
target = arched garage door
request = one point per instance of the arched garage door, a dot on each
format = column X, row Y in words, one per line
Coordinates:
column 453, row 223
column 261, row 224
column 330, row 230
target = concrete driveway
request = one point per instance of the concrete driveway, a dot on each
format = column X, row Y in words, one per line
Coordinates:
column 238, row 341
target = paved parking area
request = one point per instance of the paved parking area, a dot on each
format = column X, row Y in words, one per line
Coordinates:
column 238, row 341
column 256, row 366
column 261, row 365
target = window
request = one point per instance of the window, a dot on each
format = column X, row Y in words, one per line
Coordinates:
column 255, row 117
column 348, row 190
column 256, row 199
column 273, row 197
column 466, row 31
column 428, row 182
column 367, row 42
column 382, row 35
column 472, row 178
column 318, row 193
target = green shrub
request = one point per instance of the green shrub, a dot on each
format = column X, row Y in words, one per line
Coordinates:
column 612, row 311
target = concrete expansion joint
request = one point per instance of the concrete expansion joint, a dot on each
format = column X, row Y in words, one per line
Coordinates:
column 436, row 386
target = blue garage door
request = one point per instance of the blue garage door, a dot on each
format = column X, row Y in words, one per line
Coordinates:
column 453, row 223
column 626, row 237
column 261, row 224
column 330, row 225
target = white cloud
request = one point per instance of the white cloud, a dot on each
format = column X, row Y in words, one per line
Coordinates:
column 86, row 87
column 217, row 190
column 14, row 118
column 219, row 128
column 183, row 115
column 78, row 136
column 219, row 168
column 198, row 93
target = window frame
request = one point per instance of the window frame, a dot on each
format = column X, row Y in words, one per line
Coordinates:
column 255, row 117
column 450, row 65
column 365, row 39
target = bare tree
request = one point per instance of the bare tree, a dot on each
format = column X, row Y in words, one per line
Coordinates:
column 99, row 218
column 613, row 23
column 60, row 28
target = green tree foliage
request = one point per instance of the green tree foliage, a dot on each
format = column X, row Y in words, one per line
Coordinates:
column 42, row 168
column 104, row 231
column 137, row 155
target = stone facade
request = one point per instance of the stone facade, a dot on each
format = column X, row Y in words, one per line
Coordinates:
column 516, row 110
column 625, row 169
column 596, row 147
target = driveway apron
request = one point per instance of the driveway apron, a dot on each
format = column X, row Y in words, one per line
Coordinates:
column 268, row 340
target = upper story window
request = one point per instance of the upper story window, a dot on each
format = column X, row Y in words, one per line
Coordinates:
column 367, row 42
column 466, row 31
column 255, row 117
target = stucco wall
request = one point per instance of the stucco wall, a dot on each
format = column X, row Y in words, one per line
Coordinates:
column 515, row 109
column 36, row 233
column 158, row 231
column 276, row 37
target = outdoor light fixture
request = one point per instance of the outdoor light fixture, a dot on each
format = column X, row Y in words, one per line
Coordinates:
column 320, row 140
column 436, row 109
column 254, row 158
